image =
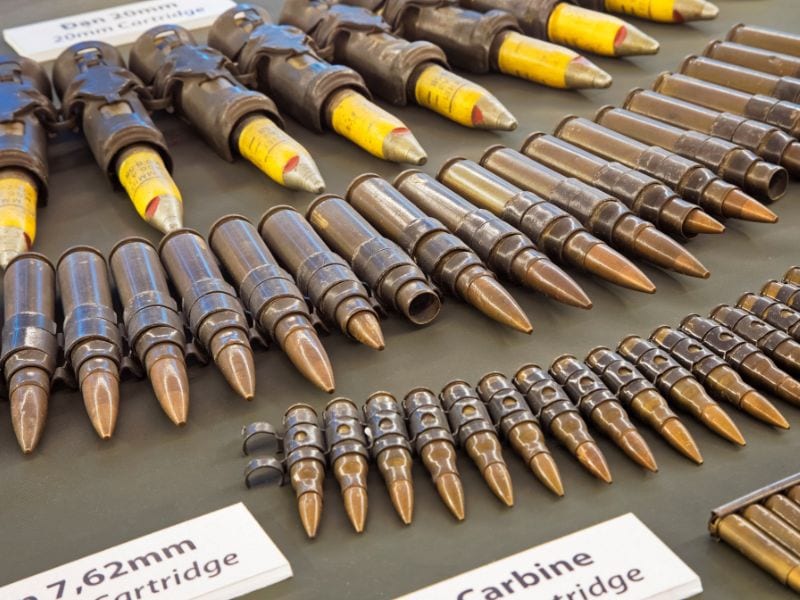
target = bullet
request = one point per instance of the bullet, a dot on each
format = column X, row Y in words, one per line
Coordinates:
column 779, row 113
column 739, row 77
column 473, row 429
column 520, row 428
column 153, row 325
column 25, row 95
column 215, row 315
column 505, row 249
column 642, row 398
column 560, row 417
column 720, row 379
column 660, row 11
column 29, row 344
column 92, row 339
column 444, row 257
column 397, row 282
column 792, row 276
column 348, row 456
column 557, row 233
column 767, row 62
column 390, row 448
column 105, row 98
column 599, row 405
column 773, row 526
column 433, row 441
column 399, row 71
column 679, row 386
column 770, row 143
column 646, row 196
column 772, row 311
column 763, row 37
column 785, row 508
column 690, row 179
column 777, row 344
column 603, row 214
column 731, row 162
column 322, row 276
column 284, row 63
column 270, row 295
column 787, row 293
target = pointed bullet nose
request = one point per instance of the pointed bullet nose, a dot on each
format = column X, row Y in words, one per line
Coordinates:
column 365, row 328
column 759, row 407
column 28, row 415
column 401, row 492
column 493, row 115
column 632, row 41
column 709, row 11
column 583, row 74
column 452, row 493
column 679, row 438
column 741, row 206
column 499, row 481
column 304, row 175
column 633, row 444
column 100, row 390
column 165, row 213
column 609, row 264
column 546, row 470
column 401, row 146
column 699, row 221
column 590, row 456
column 355, row 504
column 547, row 278
column 171, row 387
column 721, row 423
column 235, row 361
column 665, row 252
column 309, row 505
column 307, row 353
column 492, row 299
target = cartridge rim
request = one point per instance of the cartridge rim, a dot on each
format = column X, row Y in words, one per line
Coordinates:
column 709, row 46
column 560, row 125
column 733, row 29
column 685, row 60
column 527, row 366
column 377, row 394
column 490, row 374
column 79, row 248
column 656, row 85
column 597, row 349
column 275, row 209
column 562, row 357
column 529, row 140
column 448, row 163
column 225, row 219
column 172, row 234
column 602, row 110
column 340, row 399
column 454, row 382
column 629, row 337
column 403, row 174
column 35, row 255
column 630, row 95
column 129, row 240
column 297, row 405
column 489, row 150
column 357, row 181
column 319, row 200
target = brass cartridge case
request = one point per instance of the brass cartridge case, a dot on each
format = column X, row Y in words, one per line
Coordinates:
column 763, row 37
column 772, row 311
column 787, row 293
column 786, row 509
column 772, row 62
column 773, row 526
column 792, row 276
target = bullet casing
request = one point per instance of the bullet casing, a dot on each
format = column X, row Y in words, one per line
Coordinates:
column 624, row 380
column 345, row 438
column 772, row 311
column 467, row 415
column 763, row 37
column 773, row 61
column 385, row 425
column 786, row 293
column 792, row 276
column 532, row 15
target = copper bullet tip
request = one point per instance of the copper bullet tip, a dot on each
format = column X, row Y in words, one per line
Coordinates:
column 609, row 264
column 452, row 493
column 665, row 252
column 593, row 460
column 679, row 438
column 633, row 444
column 762, row 409
column 547, row 278
column 171, row 387
column 28, row 415
column 309, row 505
column 100, row 390
column 546, row 470
column 699, row 221
column 716, row 419
column 355, row 504
column 401, row 492
column 741, row 206
column 492, row 299
column 365, row 328
column 498, row 479
column 235, row 361
column 307, row 353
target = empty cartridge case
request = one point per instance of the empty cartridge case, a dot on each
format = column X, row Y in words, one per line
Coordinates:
column 679, row 386
column 644, row 195
column 214, row 313
column 153, row 325
column 787, row 293
column 600, row 406
column 772, row 62
column 397, row 282
column 779, row 113
column 322, row 275
column 776, row 343
column 773, row 311
column 450, row 263
column 561, row 418
column 690, row 179
column 520, row 427
column 433, row 441
column 602, row 213
column 641, row 397
column 720, row 379
column 770, row 143
column 731, row 162
column 763, row 37
column 348, row 456
column 505, row 249
column 557, row 233
column 105, row 98
column 29, row 344
column 390, row 448
column 472, row 427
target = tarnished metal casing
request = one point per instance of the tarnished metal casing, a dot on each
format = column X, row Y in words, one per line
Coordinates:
column 200, row 84
column 585, row 388
column 688, row 352
column 466, row 412
column 774, row 62
column 792, row 276
column 506, row 405
column 763, row 37
column 24, row 105
column 96, row 88
column 385, row 424
column 284, row 61
column 655, row 363
column 774, row 312
column 721, row 340
column 620, row 376
column 545, row 397
column 344, row 432
column 426, row 419
column 788, row 293
column 532, row 15
column 302, row 439
column 756, row 331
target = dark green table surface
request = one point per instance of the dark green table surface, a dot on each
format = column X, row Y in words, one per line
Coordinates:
column 77, row 495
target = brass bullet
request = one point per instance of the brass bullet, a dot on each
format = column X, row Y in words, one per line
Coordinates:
column 560, row 417
column 472, row 427
column 763, row 37
column 520, row 427
column 433, row 441
column 784, row 292
column 716, row 375
column 391, row 449
column 304, row 450
column 348, row 456
column 773, row 526
column 600, row 405
column 772, row 311
column 786, row 509
column 641, row 398
column 28, row 401
column 451, row 264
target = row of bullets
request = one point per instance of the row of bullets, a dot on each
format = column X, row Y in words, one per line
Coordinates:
column 764, row 525
column 691, row 368
column 287, row 65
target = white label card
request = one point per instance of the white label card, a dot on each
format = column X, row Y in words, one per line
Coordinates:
column 221, row 555
column 119, row 25
column 618, row 559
